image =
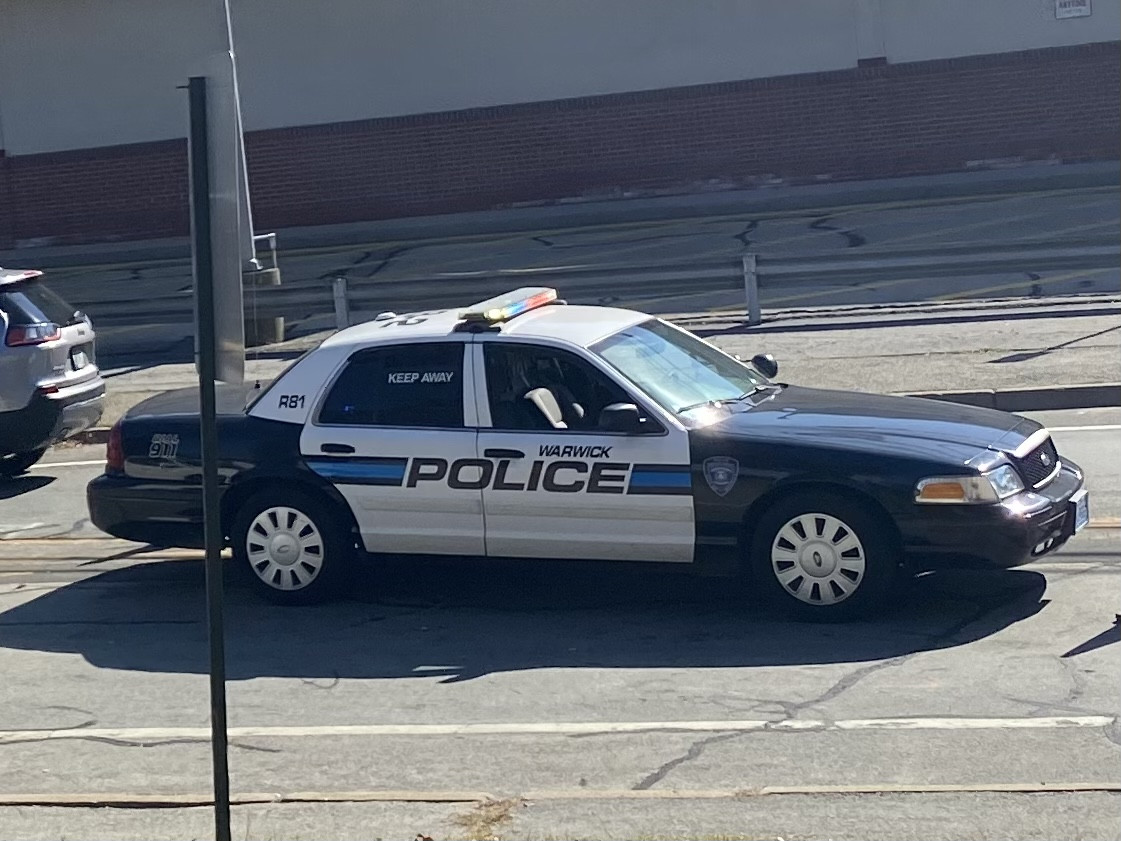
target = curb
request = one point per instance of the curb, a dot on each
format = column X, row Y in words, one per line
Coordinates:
column 96, row 435
column 1031, row 399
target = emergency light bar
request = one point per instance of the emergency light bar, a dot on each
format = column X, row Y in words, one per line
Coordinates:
column 505, row 307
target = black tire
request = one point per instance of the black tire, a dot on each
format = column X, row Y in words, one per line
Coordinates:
column 310, row 576
column 17, row 463
column 826, row 557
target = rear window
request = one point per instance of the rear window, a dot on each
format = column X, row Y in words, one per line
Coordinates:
column 33, row 303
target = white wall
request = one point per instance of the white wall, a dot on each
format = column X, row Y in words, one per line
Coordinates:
column 917, row 30
column 82, row 73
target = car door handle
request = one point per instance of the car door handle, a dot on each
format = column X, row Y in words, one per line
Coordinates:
column 337, row 448
column 500, row 453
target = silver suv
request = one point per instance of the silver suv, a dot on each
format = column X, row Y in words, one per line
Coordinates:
column 50, row 387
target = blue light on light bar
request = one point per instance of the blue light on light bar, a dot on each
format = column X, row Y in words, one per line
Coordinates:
column 505, row 307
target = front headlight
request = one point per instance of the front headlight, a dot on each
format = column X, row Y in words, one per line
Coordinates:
column 970, row 490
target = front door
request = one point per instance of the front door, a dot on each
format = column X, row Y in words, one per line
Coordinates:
column 562, row 487
column 396, row 436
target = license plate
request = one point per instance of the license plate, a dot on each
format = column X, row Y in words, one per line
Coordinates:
column 1081, row 503
column 79, row 359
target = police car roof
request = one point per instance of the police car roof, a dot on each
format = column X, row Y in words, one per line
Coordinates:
column 579, row 325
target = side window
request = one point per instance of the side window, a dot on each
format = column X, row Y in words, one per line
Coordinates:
column 535, row 387
column 404, row 385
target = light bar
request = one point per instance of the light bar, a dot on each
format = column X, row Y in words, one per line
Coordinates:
column 505, row 307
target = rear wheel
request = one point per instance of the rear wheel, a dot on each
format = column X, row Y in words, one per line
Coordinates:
column 825, row 557
column 17, row 463
column 296, row 550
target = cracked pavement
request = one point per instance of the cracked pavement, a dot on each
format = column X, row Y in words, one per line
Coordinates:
column 604, row 702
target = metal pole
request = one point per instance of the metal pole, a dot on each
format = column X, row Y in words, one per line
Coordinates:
column 207, row 352
column 342, row 306
column 751, row 290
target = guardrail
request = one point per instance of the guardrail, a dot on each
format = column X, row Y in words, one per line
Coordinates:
column 753, row 269
column 749, row 272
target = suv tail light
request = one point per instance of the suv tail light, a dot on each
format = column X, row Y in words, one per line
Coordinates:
column 32, row 334
column 115, row 451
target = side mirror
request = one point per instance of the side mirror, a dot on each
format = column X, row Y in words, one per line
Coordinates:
column 620, row 417
column 765, row 364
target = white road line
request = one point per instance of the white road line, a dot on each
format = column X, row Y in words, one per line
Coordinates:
column 47, row 465
column 549, row 728
column 1101, row 427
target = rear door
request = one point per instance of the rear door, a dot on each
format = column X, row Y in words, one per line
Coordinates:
column 573, row 490
column 395, row 433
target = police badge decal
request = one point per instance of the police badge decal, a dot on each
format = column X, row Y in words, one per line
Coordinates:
column 721, row 473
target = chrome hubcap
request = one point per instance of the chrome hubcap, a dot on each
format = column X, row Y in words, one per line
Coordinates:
column 818, row 559
column 285, row 548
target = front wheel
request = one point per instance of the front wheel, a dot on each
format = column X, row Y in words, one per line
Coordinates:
column 825, row 557
column 17, row 463
column 296, row 549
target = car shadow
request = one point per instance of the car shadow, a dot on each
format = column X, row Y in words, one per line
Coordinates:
column 461, row 620
column 23, row 484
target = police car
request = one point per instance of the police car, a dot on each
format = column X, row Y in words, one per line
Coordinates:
column 522, row 427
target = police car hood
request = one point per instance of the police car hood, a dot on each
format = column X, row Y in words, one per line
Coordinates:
column 928, row 429
column 230, row 399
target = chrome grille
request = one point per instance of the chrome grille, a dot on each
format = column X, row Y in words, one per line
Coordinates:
column 1040, row 465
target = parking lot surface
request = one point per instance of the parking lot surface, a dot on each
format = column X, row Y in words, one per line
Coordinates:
column 536, row 700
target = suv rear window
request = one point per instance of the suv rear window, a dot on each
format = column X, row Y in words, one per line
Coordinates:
column 33, row 303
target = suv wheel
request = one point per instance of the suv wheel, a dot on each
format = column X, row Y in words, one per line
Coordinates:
column 295, row 548
column 17, row 463
column 825, row 557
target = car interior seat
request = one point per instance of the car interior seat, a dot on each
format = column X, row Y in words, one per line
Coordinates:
column 552, row 397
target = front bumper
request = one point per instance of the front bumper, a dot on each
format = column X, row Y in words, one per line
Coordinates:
column 1017, row 531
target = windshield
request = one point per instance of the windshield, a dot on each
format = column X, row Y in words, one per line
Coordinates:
column 678, row 370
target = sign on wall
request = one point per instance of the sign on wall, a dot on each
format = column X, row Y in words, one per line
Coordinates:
column 1072, row 9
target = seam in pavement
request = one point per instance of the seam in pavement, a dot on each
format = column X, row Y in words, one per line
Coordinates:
column 128, row 800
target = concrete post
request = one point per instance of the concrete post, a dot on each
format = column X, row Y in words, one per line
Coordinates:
column 342, row 305
column 751, row 290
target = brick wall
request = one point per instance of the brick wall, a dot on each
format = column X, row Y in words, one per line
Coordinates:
column 869, row 122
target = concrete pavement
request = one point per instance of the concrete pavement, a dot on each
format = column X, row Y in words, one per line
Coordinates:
column 468, row 701
column 776, row 197
column 635, row 705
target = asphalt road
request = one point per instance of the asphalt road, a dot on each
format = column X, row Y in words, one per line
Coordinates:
column 575, row 701
column 139, row 307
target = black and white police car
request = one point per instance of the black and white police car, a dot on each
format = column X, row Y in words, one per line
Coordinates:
column 525, row 428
